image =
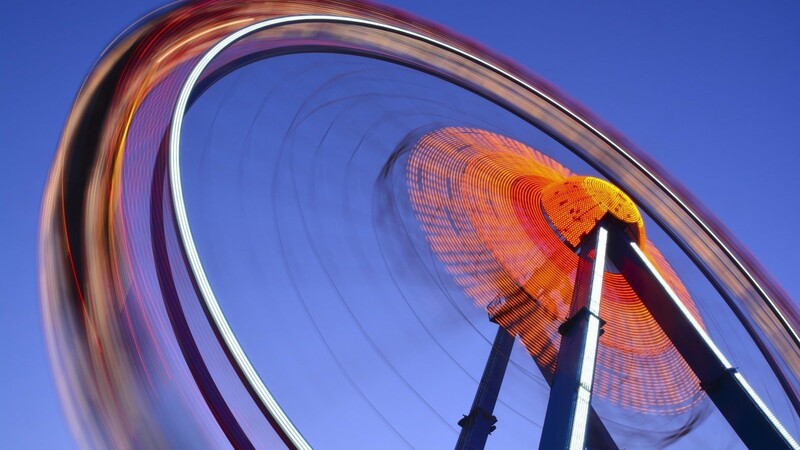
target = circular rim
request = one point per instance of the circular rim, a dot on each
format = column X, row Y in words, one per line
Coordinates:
column 209, row 300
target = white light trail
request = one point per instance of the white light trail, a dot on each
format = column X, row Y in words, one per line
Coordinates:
column 583, row 399
column 188, row 242
column 707, row 339
column 685, row 311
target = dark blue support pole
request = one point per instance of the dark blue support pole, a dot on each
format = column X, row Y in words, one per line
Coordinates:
column 479, row 423
column 597, row 435
column 727, row 388
column 568, row 408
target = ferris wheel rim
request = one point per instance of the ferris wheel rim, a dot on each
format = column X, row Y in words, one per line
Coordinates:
column 189, row 247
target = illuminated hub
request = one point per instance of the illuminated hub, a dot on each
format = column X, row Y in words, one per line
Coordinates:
column 576, row 205
column 505, row 219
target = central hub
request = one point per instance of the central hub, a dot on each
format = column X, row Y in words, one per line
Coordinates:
column 576, row 204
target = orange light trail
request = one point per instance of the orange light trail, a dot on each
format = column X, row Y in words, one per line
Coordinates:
column 505, row 220
column 490, row 207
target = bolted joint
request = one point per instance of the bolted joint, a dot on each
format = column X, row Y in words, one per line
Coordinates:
column 474, row 414
column 581, row 316
column 713, row 384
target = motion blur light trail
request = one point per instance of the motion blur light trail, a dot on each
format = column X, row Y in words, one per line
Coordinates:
column 143, row 354
column 503, row 218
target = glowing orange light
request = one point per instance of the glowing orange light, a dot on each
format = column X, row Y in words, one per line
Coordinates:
column 504, row 219
column 576, row 204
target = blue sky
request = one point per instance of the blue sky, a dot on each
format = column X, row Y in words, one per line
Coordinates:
column 708, row 90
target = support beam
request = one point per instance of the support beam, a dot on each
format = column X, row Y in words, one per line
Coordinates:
column 597, row 435
column 479, row 423
column 727, row 388
column 568, row 407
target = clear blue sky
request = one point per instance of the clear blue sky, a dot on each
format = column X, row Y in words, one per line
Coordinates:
column 708, row 89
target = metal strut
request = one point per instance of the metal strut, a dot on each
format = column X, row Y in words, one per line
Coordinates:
column 568, row 408
column 479, row 423
column 739, row 404
column 598, row 436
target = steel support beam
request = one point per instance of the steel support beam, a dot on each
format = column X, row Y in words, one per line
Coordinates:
column 727, row 388
column 568, row 408
column 479, row 423
column 597, row 435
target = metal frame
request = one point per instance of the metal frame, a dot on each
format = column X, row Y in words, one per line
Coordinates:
column 566, row 419
column 479, row 423
column 570, row 422
column 567, row 424
column 736, row 400
column 597, row 435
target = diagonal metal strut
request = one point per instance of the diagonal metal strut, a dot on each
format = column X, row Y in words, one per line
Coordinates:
column 479, row 423
column 728, row 389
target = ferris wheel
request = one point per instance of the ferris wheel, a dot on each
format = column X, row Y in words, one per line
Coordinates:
column 426, row 209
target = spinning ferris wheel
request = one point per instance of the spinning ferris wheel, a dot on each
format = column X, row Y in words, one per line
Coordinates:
column 445, row 251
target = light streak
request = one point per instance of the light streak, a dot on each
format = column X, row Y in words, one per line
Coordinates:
column 589, row 356
column 84, row 282
column 717, row 352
